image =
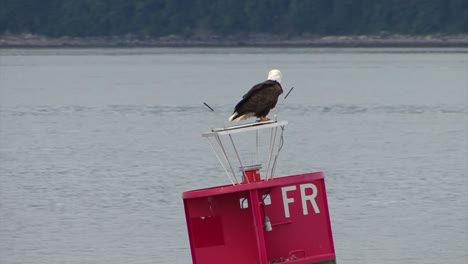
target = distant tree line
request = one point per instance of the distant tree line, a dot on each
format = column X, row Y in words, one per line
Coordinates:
column 230, row 17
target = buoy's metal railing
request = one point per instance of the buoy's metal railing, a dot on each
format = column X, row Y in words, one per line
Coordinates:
column 222, row 153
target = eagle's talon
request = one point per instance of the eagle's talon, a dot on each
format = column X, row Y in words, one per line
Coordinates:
column 263, row 119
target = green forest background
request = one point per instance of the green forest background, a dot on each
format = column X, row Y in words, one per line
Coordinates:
column 90, row 18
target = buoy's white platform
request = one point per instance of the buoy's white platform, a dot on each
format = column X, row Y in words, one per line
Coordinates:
column 244, row 128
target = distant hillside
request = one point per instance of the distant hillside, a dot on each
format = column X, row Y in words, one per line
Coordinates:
column 223, row 18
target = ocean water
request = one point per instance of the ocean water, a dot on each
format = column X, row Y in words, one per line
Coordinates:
column 97, row 145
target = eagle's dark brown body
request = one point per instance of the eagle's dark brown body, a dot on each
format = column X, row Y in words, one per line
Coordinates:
column 258, row 101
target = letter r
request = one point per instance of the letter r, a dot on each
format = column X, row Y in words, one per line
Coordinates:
column 310, row 198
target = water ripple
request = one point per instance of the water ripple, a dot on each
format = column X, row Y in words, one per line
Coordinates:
column 51, row 110
column 382, row 109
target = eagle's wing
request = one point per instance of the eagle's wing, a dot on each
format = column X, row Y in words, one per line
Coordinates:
column 256, row 88
column 252, row 98
column 256, row 98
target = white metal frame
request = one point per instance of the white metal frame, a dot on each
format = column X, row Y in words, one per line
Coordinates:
column 215, row 136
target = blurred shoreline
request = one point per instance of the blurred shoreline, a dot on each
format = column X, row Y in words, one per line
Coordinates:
column 255, row 40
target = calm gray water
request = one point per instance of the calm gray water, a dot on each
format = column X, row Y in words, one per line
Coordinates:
column 97, row 145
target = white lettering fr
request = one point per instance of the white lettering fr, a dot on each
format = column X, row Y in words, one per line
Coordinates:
column 304, row 197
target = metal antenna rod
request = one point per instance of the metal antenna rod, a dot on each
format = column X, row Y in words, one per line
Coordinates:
column 286, row 96
column 212, row 110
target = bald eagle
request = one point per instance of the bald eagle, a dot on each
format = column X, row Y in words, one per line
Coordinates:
column 260, row 99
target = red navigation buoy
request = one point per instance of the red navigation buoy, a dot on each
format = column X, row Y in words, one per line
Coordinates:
column 259, row 220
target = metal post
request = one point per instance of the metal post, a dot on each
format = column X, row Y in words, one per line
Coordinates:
column 222, row 164
column 280, row 146
column 272, row 146
column 226, row 157
column 239, row 159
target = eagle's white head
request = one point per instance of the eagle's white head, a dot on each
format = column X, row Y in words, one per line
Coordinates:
column 274, row 75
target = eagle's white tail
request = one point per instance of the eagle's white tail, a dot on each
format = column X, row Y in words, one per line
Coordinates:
column 234, row 119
